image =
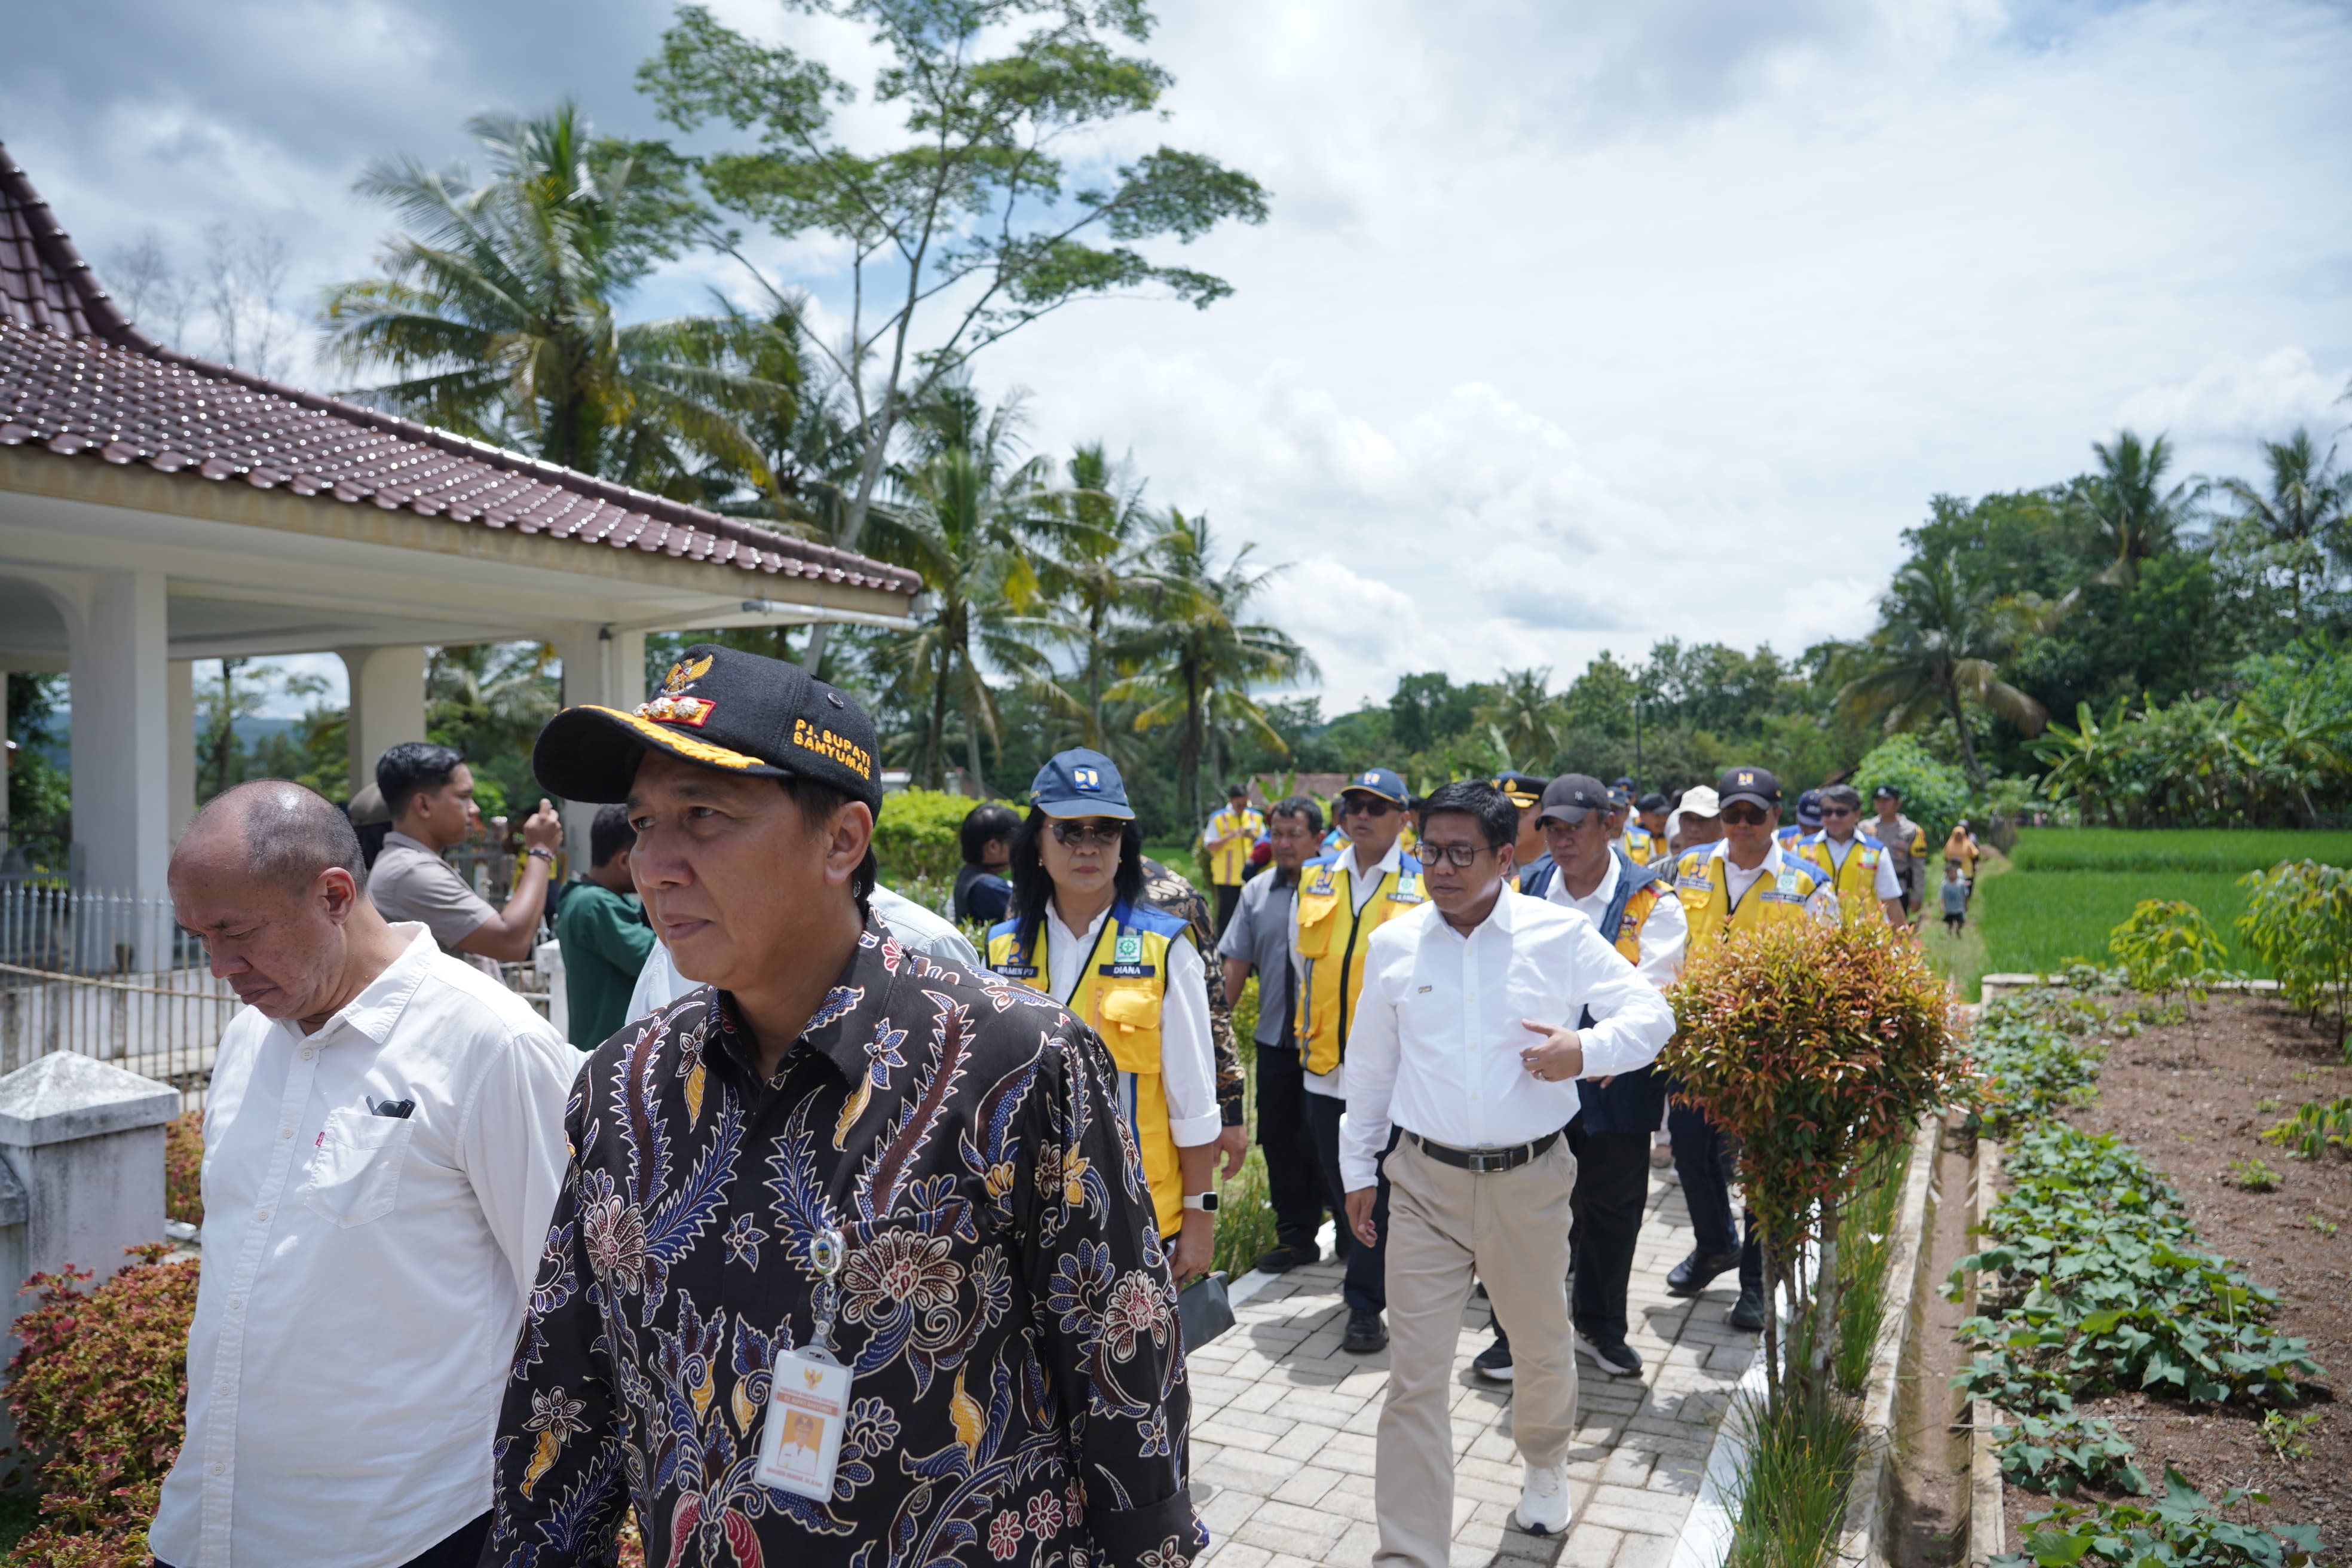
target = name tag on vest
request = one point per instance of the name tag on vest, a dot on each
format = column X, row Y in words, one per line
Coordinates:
column 1017, row 971
column 1128, row 971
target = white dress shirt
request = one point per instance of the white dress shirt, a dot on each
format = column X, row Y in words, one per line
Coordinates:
column 1188, row 1063
column 363, row 1275
column 1822, row 908
column 1437, row 1036
column 1886, row 885
column 1663, row 933
column 1359, row 892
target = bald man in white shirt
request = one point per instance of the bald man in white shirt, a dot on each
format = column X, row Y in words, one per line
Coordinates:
column 384, row 1140
column 1464, row 1042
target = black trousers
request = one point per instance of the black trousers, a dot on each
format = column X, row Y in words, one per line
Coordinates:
column 462, row 1550
column 1293, row 1171
column 1704, row 1160
column 1612, row 1188
column 1228, row 900
column 1366, row 1290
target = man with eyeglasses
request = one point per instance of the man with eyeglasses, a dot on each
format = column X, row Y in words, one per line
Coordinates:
column 1636, row 911
column 1342, row 899
column 1744, row 881
column 1861, row 873
column 1482, row 1009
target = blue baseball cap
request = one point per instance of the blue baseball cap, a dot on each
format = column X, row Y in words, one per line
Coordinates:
column 1381, row 782
column 1080, row 784
column 1809, row 809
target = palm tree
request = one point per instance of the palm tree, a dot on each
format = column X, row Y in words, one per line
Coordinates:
column 2306, row 511
column 1196, row 659
column 1524, row 717
column 1098, row 569
column 1941, row 638
column 2137, row 517
column 496, row 308
column 973, row 522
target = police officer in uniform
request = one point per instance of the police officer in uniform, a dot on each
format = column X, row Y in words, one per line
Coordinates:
column 1081, row 931
column 1342, row 899
column 1529, row 855
column 1906, row 842
column 1743, row 881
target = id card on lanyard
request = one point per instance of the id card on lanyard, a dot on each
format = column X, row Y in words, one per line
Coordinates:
column 808, row 1395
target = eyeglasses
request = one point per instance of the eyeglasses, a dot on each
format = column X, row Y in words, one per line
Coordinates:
column 1081, row 835
column 1458, row 856
column 1828, row 811
column 1369, row 805
column 1744, row 814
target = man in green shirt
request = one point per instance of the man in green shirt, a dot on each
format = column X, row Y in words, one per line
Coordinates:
column 604, row 933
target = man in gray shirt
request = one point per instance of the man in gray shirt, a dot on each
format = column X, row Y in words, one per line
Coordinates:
column 429, row 791
column 1258, row 938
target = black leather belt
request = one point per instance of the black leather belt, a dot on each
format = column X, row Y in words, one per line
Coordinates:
column 1484, row 1161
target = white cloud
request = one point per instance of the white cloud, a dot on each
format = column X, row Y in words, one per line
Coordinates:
column 2238, row 402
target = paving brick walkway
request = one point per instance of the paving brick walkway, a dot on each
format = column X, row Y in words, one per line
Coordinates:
column 1283, row 1422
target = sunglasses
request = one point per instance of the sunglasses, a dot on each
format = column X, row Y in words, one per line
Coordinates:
column 1828, row 811
column 1081, row 835
column 1458, row 856
column 1369, row 805
column 1744, row 814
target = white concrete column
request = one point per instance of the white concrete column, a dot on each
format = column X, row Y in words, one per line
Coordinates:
column 603, row 668
column 123, row 733
column 180, row 680
column 387, row 703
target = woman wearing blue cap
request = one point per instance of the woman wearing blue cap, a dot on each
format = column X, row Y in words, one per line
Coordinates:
column 1080, row 930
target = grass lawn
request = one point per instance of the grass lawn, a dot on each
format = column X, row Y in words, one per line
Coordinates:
column 2173, row 849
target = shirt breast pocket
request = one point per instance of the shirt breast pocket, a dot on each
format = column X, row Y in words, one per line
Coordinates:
column 355, row 1170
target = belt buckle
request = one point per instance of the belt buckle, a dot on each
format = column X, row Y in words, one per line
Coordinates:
column 1483, row 1163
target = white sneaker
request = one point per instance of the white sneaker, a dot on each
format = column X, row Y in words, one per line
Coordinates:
column 1543, row 1499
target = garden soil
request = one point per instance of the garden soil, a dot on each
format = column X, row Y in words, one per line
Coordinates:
column 2190, row 1097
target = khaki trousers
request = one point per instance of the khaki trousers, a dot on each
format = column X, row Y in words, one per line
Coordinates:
column 1446, row 1226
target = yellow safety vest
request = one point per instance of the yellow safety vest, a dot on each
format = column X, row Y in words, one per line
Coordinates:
column 1642, row 846
column 1855, row 882
column 1332, row 936
column 1121, row 992
column 1229, row 866
column 1706, row 897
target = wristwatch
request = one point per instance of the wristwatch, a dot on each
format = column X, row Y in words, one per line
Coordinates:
column 1205, row 1202
column 546, row 854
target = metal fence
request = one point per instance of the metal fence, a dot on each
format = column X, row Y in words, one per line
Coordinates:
column 112, row 975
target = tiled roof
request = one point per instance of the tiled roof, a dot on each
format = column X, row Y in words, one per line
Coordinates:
column 79, row 379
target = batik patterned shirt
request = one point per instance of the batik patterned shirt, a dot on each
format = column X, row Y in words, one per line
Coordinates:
column 1167, row 890
column 1019, row 1391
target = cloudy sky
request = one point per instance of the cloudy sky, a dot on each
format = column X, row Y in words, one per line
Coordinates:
column 1575, row 325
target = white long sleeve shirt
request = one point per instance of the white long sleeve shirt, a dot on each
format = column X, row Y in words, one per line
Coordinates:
column 363, row 1274
column 1188, row 1063
column 1664, row 932
column 1436, row 1038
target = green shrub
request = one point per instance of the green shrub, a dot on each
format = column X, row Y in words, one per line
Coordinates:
column 1245, row 1217
column 916, row 834
column 2316, row 1127
column 2167, row 946
column 2061, row 1454
column 1814, row 1046
column 2299, row 918
column 1934, row 792
column 184, row 1163
column 99, row 1386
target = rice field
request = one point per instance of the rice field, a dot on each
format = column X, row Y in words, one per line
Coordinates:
column 2065, row 888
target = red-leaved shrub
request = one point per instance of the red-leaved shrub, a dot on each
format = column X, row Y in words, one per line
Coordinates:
column 183, row 1164
column 99, row 1388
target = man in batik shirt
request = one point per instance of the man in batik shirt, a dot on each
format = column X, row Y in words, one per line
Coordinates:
column 1169, row 891
column 834, row 1145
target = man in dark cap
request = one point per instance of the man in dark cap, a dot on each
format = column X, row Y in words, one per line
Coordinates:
column 1533, row 861
column 1906, row 842
column 851, row 1249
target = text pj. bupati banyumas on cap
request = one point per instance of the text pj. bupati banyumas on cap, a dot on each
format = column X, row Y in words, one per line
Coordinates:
column 721, row 708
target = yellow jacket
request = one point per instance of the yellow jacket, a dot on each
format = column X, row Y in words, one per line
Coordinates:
column 1229, row 863
column 1332, row 936
column 1787, row 887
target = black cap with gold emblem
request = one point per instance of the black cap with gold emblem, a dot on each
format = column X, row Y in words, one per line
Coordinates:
column 721, row 708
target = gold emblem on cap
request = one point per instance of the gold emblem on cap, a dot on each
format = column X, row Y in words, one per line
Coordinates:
column 683, row 675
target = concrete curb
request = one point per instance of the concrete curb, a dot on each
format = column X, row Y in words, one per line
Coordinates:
column 1869, row 1504
column 1988, row 1525
column 1992, row 986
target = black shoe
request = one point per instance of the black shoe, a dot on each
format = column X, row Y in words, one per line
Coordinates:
column 1694, row 1273
column 1618, row 1360
column 1366, row 1333
column 1494, row 1360
column 1747, row 1314
column 1283, row 1260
